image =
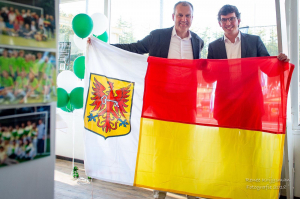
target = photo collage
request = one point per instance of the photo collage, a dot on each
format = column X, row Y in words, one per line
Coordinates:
column 28, row 69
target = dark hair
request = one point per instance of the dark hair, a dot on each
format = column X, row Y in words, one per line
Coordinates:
column 184, row 3
column 227, row 9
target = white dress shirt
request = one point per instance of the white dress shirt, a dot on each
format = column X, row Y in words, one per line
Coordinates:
column 233, row 50
column 180, row 48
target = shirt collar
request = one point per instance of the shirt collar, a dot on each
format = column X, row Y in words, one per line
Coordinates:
column 175, row 34
column 238, row 38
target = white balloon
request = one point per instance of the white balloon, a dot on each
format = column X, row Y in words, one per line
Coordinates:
column 100, row 23
column 80, row 43
column 67, row 80
column 80, row 83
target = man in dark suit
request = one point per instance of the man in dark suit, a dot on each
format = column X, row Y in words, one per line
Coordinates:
column 251, row 45
column 166, row 43
column 229, row 91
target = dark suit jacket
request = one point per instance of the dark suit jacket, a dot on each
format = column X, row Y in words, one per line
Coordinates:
column 252, row 46
column 238, row 104
column 157, row 44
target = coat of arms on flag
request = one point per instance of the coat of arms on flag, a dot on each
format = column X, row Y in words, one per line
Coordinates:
column 108, row 106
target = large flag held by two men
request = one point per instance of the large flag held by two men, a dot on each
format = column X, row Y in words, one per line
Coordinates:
column 210, row 128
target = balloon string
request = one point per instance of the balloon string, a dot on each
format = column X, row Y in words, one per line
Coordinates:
column 73, row 129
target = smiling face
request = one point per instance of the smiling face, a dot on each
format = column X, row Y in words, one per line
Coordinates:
column 183, row 18
column 231, row 28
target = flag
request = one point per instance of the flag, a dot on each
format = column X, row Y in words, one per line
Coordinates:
column 208, row 128
column 114, row 90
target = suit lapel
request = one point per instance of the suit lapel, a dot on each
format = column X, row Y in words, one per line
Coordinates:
column 195, row 47
column 223, row 54
column 166, row 40
column 243, row 45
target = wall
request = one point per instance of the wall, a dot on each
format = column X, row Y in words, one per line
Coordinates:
column 32, row 179
column 297, row 164
column 64, row 136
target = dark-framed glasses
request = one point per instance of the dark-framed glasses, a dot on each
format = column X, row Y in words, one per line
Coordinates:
column 230, row 19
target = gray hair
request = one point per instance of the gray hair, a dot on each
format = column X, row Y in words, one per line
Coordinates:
column 184, row 3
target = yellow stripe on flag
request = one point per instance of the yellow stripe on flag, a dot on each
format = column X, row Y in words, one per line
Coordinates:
column 209, row 161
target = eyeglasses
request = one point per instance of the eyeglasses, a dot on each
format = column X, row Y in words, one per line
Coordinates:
column 230, row 19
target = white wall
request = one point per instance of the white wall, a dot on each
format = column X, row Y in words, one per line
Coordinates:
column 64, row 137
column 297, row 164
column 33, row 179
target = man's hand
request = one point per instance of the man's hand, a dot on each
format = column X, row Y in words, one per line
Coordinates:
column 89, row 40
column 283, row 57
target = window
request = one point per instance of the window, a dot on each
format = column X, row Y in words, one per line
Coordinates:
column 67, row 10
column 132, row 20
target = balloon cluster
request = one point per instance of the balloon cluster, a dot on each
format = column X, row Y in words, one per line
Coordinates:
column 70, row 97
column 84, row 26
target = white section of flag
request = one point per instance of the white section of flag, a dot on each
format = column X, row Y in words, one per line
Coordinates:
column 114, row 159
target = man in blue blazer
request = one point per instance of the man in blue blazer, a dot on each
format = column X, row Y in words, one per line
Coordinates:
column 233, row 45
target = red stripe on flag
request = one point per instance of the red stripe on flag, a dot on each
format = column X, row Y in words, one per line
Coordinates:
column 247, row 93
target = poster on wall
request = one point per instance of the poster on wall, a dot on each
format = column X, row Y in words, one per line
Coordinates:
column 27, row 76
column 28, row 23
column 64, row 52
column 24, row 134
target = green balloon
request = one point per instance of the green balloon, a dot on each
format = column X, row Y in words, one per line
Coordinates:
column 62, row 97
column 76, row 97
column 69, row 108
column 79, row 67
column 82, row 25
column 103, row 37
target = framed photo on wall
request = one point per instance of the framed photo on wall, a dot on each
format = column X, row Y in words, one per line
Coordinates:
column 24, row 134
column 27, row 76
column 28, row 23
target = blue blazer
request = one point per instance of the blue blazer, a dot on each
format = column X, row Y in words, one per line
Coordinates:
column 157, row 44
column 251, row 46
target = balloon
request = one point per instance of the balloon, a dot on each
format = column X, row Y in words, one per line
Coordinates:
column 66, row 80
column 79, row 67
column 100, row 23
column 62, row 97
column 76, row 97
column 68, row 108
column 82, row 25
column 80, row 83
column 79, row 42
column 103, row 37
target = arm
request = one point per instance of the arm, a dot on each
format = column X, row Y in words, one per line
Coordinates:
column 208, row 74
column 261, row 49
column 201, row 47
column 276, row 69
column 11, row 71
column 140, row 47
column 210, row 52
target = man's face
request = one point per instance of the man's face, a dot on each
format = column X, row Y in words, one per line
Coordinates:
column 230, row 24
column 4, row 53
column 183, row 18
column 4, row 74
